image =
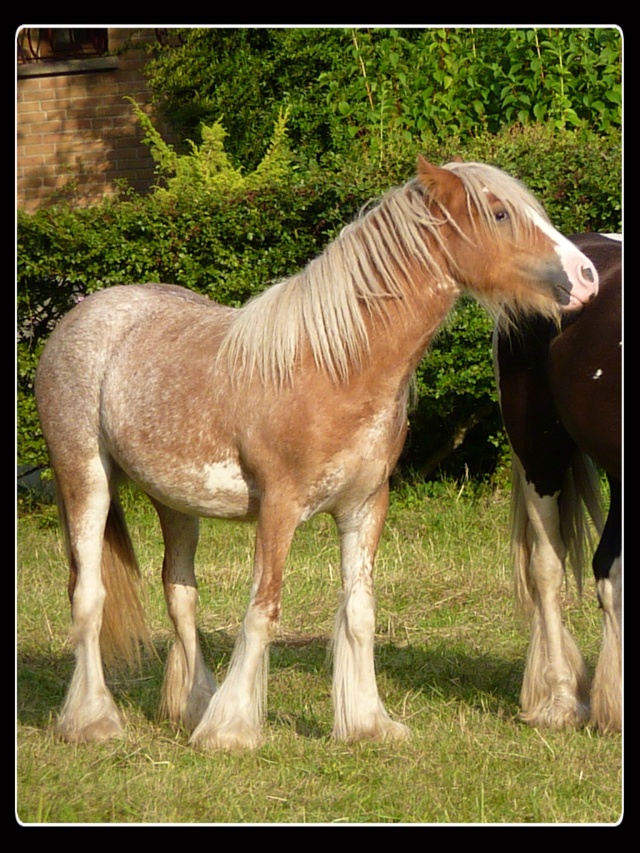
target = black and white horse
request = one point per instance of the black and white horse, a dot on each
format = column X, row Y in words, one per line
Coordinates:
column 560, row 393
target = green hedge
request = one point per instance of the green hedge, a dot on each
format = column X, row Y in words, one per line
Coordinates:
column 230, row 248
column 363, row 86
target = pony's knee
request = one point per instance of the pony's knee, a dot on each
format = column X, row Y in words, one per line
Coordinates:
column 87, row 605
column 359, row 616
column 547, row 568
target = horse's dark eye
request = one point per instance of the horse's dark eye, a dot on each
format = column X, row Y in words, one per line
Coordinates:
column 501, row 216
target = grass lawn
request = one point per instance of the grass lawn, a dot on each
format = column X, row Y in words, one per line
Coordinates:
column 449, row 653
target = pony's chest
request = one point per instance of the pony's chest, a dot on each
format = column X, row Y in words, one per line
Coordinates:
column 359, row 467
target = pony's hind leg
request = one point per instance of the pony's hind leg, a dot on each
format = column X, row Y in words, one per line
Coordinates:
column 188, row 685
column 555, row 685
column 606, row 692
column 89, row 712
column 359, row 712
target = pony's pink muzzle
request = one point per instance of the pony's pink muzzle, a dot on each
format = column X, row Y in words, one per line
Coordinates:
column 579, row 276
column 584, row 282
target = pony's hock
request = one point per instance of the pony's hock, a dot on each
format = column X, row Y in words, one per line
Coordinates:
column 292, row 405
column 561, row 399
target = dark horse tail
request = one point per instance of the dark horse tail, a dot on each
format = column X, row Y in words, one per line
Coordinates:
column 124, row 631
column 581, row 501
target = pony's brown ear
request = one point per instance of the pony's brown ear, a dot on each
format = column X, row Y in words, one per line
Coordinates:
column 440, row 182
column 427, row 172
column 457, row 159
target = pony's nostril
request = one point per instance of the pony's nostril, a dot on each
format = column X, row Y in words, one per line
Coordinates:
column 587, row 274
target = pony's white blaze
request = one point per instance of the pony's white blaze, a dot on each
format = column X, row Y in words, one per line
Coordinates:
column 581, row 272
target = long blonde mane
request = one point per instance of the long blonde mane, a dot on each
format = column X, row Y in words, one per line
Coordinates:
column 373, row 260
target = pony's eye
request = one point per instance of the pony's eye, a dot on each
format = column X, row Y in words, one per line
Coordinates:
column 501, row 215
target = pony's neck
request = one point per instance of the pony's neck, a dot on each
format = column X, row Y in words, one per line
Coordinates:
column 383, row 286
column 401, row 334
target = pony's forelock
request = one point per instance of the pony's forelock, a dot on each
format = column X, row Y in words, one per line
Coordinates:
column 481, row 181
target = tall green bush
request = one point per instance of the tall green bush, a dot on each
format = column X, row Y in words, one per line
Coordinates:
column 346, row 111
column 359, row 88
column 206, row 170
column 230, row 246
column 465, row 81
column 245, row 77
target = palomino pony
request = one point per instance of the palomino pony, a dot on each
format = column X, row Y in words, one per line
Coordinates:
column 293, row 405
column 560, row 393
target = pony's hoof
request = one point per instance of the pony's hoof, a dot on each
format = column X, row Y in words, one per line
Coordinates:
column 382, row 730
column 606, row 720
column 188, row 713
column 555, row 716
column 95, row 731
column 396, row 731
column 234, row 736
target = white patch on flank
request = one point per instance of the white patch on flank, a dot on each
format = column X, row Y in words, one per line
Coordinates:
column 229, row 492
column 226, row 477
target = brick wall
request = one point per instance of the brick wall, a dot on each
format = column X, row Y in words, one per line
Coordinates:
column 76, row 135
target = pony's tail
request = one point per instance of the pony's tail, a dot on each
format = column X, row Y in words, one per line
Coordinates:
column 124, row 631
column 581, row 502
column 581, row 510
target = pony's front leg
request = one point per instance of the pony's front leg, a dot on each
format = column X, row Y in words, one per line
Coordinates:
column 188, row 685
column 358, row 710
column 235, row 714
column 606, row 692
column 555, row 685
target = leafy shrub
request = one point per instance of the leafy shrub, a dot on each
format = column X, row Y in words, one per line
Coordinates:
column 360, row 88
column 461, row 81
column 206, row 170
column 356, row 107
column 245, row 77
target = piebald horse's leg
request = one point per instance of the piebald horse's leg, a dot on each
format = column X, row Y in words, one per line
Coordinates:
column 89, row 712
column 188, row 685
column 235, row 714
column 606, row 693
column 359, row 712
column 555, row 686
